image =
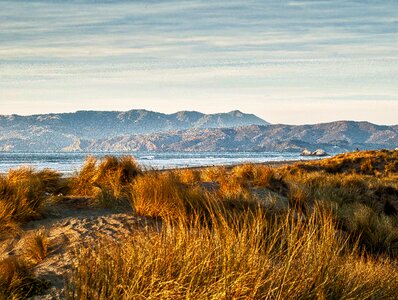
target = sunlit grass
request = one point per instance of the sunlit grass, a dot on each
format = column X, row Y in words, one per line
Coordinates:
column 23, row 195
column 105, row 180
column 317, row 230
column 259, row 257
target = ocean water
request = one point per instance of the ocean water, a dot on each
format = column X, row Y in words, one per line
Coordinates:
column 68, row 163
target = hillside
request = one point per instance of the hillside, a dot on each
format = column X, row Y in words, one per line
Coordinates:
column 73, row 131
column 141, row 130
column 333, row 137
column 102, row 124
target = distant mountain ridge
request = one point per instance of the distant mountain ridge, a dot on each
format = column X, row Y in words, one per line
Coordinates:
column 106, row 124
column 71, row 131
column 142, row 130
column 334, row 137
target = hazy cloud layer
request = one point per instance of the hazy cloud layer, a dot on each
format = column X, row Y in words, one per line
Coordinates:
column 257, row 56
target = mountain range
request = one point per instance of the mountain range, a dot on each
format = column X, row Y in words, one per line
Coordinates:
column 142, row 130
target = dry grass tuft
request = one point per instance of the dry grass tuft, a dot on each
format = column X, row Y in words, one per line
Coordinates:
column 233, row 187
column 23, row 195
column 333, row 234
column 375, row 233
column 17, row 281
column 162, row 194
column 213, row 174
column 258, row 175
column 106, row 180
column 83, row 183
column 36, row 246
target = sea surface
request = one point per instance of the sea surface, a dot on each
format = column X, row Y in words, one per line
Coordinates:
column 67, row 162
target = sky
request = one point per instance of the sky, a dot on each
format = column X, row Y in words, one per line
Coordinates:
column 292, row 62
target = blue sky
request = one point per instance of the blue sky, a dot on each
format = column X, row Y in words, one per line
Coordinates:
column 287, row 61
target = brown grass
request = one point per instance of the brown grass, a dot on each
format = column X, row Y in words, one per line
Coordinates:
column 259, row 258
column 36, row 246
column 17, row 281
column 333, row 234
column 162, row 194
column 106, row 180
column 23, row 195
column 379, row 163
column 188, row 176
column 215, row 174
column 258, row 175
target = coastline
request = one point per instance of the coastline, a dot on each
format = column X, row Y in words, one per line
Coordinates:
column 70, row 164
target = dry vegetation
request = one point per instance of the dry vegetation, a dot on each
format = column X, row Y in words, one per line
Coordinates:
column 257, row 258
column 319, row 230
column 17, row 280
column 107, row 181
column 23, row 196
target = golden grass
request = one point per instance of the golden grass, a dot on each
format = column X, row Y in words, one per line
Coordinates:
column 106, row 179
column 162, row 194
column 334, row 234
column 379, row 163
column 36, row 246
column 214, row 174
column 258, row 175
column 188, row 176
column 23, row 195
column 17, row 281
column 258, row 258
column 157, row 194
column 364, row 206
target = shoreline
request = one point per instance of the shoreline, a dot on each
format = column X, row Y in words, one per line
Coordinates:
column 273, row 164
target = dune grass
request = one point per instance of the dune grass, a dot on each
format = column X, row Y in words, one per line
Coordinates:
column 23, row 195
column 258, row 258
column 372, row 162
column 36, row 246
column 105, row 180
column 336, row 239
column 333, row 234
column 17, row 280
column 163, row 195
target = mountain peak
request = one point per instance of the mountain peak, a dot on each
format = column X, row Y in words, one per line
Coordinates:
column 236, row 113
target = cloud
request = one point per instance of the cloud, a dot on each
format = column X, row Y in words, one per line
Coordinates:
column 71, row 50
